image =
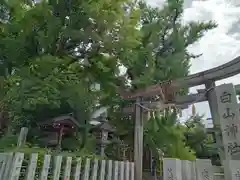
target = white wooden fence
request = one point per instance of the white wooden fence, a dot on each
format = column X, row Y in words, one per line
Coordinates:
column 35, row 167
column 19, row 166
column 201, row 169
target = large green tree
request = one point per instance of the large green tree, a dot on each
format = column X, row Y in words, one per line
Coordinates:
column 161, row 55
column 54, row 52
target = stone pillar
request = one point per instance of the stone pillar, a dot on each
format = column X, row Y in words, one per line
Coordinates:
column 193, row 170
column 204, row 169
column 172, row 169
column 186, row 170
column 229, row 122
column 234, row 166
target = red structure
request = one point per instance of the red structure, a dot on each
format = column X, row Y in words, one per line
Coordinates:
column 54, row 129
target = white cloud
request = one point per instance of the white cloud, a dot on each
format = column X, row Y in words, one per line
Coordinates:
column 219, row 45
column 156, row 3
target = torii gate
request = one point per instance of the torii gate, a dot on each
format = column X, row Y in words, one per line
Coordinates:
column 209, row 94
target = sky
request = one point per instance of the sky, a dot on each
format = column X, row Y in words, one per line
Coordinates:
column 219, row 45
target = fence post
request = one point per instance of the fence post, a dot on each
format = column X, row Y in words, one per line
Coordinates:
column 121, row 177
column 3, row 163
column 57, row 167
column 67, row 172
column 127, row 169
column 16, row 166
column 110, row 170
column 7, row 168
column 193, row 170
column 22, row 136
column 86, row 170
column 78, row 169
column 116, row 170
column 32, row 167
column 186, row 170
column 45, row 167
column 95, row 170
column 103, row 170
column 132, row 171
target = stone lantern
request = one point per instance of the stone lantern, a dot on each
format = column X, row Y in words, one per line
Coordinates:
column 104, row 128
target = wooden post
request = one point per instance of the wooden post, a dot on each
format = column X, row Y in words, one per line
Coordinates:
column 87, row 169
column 78, row 169
column 94, row 173
column 16, row 166
column 116, row 170
column 68, row 166
column 103, row 170
column 57, row 167
column 60, row 134
column 110, row 170
column 32, row 167
column 45, row 167
column 7, row 167
column 138, row 141
column 22, row 137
